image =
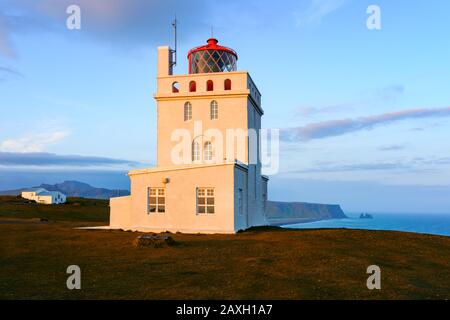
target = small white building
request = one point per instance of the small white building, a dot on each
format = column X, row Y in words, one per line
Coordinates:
column 41, row 195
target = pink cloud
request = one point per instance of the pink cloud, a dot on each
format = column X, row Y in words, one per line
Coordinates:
column 339, row 127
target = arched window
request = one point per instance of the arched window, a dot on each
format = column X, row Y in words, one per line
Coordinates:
column 192, row 86
column 227, row 84
column 187, row 111
column 214, row 110
column 175, row 87
column 209, row 85
column 208, row 151
column 195, row 151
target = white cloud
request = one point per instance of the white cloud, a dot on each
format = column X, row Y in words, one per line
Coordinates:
column 331, row 128
column 317, row 10
column 34, row 143
column 120, row 22
column 44, row 159
column 384, row 95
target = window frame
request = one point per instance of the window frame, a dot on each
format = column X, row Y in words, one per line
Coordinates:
column 187, row 111
column 196, row 154
column 208, row 153
column 213, row 110
column 207, row 193
column 264, row 202
column 160, row 193
column 240, row 201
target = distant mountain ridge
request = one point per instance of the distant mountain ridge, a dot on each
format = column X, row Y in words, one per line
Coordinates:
column 75, row 189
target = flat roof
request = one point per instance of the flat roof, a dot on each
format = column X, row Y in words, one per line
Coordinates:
column 186, row 167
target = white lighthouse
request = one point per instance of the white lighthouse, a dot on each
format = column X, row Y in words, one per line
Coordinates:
column 208, row 174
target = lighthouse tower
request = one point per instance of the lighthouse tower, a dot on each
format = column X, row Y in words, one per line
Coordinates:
column 208, row 173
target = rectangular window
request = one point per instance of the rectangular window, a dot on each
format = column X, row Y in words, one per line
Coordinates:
column 156, row 200
column 264, row 201
column 214, row 110
column 187, row 111
column 240, row 202
column 205, row 200
column 214, row 114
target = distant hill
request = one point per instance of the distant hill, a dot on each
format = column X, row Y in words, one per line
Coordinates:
column 296, row 212
column 75, row 189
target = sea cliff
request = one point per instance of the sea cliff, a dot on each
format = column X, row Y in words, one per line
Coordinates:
column 279, row 213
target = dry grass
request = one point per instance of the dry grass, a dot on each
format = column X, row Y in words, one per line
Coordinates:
column 75, row 209
column 259, row 264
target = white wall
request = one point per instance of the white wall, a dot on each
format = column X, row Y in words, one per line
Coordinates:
column 55, row 198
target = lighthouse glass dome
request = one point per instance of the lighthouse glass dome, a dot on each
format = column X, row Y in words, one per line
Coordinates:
column 212, row 58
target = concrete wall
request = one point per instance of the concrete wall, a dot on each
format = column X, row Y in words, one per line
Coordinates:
column 180, row 215
column 239, row 84
column 232, row 104
column 232, row 115
column 30, row 195
column 241, row 185
column 164, row 60
column 44, row 199
column 120, row 212
column 255, row 188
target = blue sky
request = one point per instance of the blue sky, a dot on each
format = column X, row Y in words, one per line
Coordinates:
column 364, row 114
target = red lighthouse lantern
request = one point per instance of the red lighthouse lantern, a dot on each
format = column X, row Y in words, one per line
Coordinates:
column 212, row 58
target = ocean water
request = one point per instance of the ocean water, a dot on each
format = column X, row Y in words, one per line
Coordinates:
column 438, row 224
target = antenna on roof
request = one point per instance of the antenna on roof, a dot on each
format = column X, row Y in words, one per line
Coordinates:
column 174, row 51
column 212, row 31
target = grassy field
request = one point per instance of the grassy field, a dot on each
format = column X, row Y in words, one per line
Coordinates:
column 75, row 209
column 258, row 264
